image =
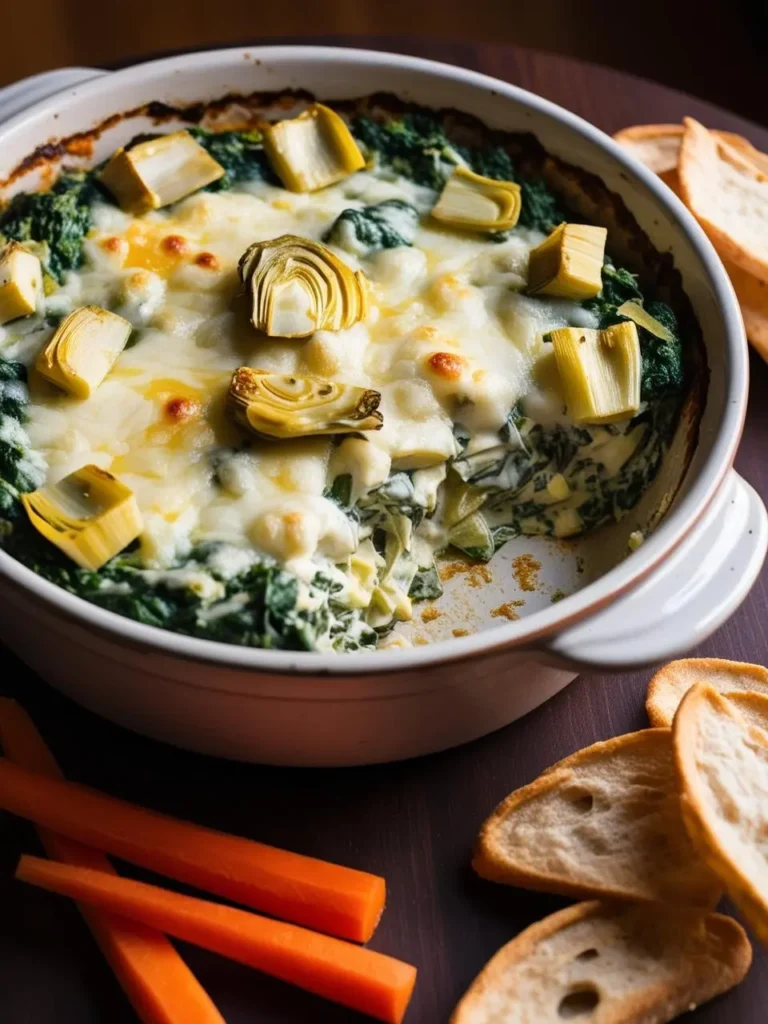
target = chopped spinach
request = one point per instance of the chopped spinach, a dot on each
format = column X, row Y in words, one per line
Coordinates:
column 397, row 495
column 414, row 145
column 663, row 371
column 426, row 585
column 21, row 468
column 259, row 607
column 340, row 490
column 619, row 286
column 540, row 209
column 490, row 161
column 386, row 225
column 241, row 154
column 60, row 217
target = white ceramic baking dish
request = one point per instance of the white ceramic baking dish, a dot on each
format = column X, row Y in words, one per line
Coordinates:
column 317, row 709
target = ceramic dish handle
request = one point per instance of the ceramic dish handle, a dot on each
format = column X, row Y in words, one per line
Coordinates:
column 684, row 600
column 17, row 97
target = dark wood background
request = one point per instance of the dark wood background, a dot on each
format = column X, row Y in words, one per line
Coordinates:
column 716, row 49
column 415, row 822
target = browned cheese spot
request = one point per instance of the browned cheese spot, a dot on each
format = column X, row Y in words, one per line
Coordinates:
column 180, row 410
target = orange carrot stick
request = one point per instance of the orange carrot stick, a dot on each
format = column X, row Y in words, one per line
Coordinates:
column 328, row 897
column 160, row 986
column 366, row 981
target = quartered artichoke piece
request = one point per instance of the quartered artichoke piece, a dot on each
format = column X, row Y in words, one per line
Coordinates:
column 83, row 350
column 634, row 311
column 279, row 406
column 20, row 279
column 158, row 172
column 298, row 287
column 312, row 150
column 388, row 602
column 473, row 536
column 600, row 372
column 569, row 263
column 461, row 499
column 471, row 201
column 89, row 515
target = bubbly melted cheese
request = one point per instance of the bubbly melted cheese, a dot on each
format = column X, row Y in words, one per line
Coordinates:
column 448, row 330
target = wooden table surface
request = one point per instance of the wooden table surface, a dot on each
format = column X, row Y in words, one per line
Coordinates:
column 413, row 822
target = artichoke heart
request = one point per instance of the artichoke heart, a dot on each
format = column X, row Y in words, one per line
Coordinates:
column 312, row 150
column 89, row 515
column 634, row 311
column 20, row 279
column 471, row 201
column 600, row 371
column 460, row 499
column 569, row 263
column 280, row 406
column 298, row 287
column 159, row 171
column 83, row 350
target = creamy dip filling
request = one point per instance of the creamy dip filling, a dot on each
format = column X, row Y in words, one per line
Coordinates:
column 345, row 529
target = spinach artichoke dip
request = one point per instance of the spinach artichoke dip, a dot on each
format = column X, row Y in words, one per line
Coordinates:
column 253, row 382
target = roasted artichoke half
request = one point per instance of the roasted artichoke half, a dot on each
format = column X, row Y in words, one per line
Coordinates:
column 298, row 286
column 83, row 350
column 312, row 150
column 279, row 406
column 600, row 371
column 158, row 172
column 21, row 277
column 469, row 200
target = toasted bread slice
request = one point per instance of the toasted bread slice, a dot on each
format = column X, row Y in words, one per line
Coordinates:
column 673, row 681
column 658, row 146
column 605, row 823
column 609, row 964
column 655, row 145
column 721, row 754
column 752, row 294
column 728, row 194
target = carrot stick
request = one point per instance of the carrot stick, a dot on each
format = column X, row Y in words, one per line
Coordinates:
column 351, row 975
column 160, row 986
column 327, row 897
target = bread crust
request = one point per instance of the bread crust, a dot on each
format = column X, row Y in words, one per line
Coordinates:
column 701, row 163
column 700, row 804
column 647, row 134
column 710, row 953
column 670, row 684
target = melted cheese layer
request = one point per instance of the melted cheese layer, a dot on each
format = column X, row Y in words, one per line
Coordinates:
column 448, row 331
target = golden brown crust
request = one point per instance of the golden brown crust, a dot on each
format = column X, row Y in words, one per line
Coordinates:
column 752, row 294
column 494, row 860
column 702, row 158
column 716, row 949
column 647, row 134
column 654, row 144
column 670, row 684
column 700, row 821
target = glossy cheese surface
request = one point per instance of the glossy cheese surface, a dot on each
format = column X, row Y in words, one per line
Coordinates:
column 449, row 337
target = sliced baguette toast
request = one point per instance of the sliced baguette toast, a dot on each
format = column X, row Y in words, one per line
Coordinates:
column 727, row 192
column 721, row 754
column 673, row 681
column 608, row 964
column 604, row 823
